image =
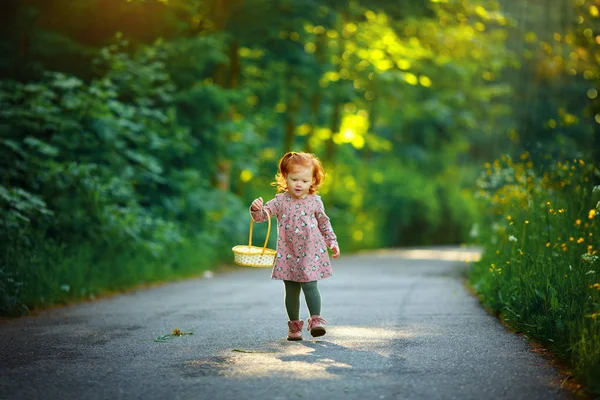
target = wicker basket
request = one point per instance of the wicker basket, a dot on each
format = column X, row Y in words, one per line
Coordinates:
column 253, row 256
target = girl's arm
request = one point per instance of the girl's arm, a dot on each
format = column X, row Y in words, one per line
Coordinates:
column 258, row 211
column 326, row 229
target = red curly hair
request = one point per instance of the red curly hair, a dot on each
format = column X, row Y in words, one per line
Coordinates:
column 294, row 161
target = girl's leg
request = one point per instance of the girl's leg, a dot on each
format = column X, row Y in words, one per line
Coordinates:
column 292, row 299
column 313, row 297
column 292, row 306
column 313, row 302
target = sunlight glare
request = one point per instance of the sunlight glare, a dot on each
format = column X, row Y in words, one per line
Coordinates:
column 311, row 359
column 271, row 364
column 431, row 254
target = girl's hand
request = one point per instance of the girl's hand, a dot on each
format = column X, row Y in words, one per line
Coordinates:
column 257, row 204
column 336, row 251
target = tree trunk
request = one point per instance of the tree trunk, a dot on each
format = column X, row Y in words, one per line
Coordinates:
column 226, row 75
column 337, row 102
column 372, row 117
column 315, row 106
column 234, row 65
column 317, row 97
column 335, row 127
column 220, row 18
column 290, row 123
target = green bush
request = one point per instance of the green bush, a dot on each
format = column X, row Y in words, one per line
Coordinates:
column 101, row 190
column 540, row 268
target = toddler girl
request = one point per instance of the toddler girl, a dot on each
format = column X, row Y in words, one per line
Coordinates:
column 304, row 234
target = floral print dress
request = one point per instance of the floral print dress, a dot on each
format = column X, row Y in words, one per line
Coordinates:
column 304, row 233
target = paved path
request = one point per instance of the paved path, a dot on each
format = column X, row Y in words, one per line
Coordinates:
column 401, row 326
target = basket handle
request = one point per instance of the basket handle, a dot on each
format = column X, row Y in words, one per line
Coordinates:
column 268, row 230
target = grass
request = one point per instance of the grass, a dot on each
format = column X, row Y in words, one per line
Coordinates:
column 53, row 275
column 540, row 271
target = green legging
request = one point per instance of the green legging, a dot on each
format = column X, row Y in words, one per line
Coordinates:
column 292, row 298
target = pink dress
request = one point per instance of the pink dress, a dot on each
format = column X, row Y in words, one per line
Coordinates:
column 303, row 235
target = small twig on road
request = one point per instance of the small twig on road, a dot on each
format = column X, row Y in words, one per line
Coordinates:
column 250, row 351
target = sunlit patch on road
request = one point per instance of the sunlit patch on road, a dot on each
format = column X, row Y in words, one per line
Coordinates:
column 294, row 360
column 315, row 358
column 431, row 254
column 369, row 333
column 207, row 366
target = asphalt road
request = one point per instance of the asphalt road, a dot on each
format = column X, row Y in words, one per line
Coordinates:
column 401, row 326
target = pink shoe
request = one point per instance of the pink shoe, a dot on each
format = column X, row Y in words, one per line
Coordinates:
column 295, row 330
column 315, row 325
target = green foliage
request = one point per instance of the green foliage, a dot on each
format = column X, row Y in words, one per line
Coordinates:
column 97, row 193
column 133, row 140
column 134, row 134
column 539, row 271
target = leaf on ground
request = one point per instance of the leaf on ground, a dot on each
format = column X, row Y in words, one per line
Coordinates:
column 175, row 332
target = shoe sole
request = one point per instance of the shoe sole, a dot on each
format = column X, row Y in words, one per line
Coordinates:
column 294, row 339
column 316, row 332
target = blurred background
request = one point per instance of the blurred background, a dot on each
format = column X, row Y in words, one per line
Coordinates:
column 135, row 133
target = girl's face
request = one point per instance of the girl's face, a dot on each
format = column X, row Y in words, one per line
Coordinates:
column 299, row 181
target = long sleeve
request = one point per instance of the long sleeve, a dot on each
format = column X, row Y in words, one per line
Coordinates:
column 261, row 215
column 325, row 225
